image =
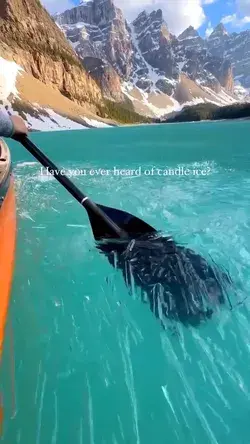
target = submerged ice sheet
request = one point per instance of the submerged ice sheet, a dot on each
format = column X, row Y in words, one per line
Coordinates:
column 92, row 364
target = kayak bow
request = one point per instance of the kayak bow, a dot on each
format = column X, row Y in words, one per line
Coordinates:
column 7, row 234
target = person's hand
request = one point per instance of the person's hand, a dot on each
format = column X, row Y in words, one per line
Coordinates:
column 19, row 125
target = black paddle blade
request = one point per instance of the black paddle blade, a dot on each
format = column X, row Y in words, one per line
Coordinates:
column 133, row 226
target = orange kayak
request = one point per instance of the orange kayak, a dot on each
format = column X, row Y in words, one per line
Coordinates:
column 7, row 235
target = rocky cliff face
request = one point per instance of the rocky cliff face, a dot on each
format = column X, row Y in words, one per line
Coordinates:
column 234, row 48
column 218, row 37
column 155, row 42
column 190, row 39
column 205, row 67
column 106, row 77
column 30, row 37
column 99, row 29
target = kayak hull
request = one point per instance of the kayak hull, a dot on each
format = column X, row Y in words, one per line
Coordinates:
column 7, row 235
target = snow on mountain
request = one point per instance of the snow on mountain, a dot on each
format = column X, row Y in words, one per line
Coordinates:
column 49, row 120
column 156, row 70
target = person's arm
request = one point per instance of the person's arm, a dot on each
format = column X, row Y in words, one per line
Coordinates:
column 10, row 125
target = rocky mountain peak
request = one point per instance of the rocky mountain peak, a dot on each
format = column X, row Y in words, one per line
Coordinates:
column 157, row 15
column 153, row 40
column 100, row 35
column 190, row 32
column 95, row 12
column 153, row 24
column 190, row 40
column 218, row 32
column 144, row 17
column 234, row 48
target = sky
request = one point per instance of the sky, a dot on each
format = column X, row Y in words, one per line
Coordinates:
column 204, row 15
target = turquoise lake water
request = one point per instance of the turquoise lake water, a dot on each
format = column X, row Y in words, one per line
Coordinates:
column 84, row 361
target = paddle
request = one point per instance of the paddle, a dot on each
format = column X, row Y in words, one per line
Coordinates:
column 106, row 222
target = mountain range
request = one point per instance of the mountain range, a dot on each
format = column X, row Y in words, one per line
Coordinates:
column 156, row 70
column 90, row 67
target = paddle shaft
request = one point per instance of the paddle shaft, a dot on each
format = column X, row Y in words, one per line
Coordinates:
column 72, row 189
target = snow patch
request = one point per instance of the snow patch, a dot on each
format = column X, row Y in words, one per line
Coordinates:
column 242, row 94
column 181, row 65
column 55, row 122
column 189, row 37
column 8, row 75
column 220, row 99
column 74, row 44
column 96, row 123
column 127, row 87
column 152, row 74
